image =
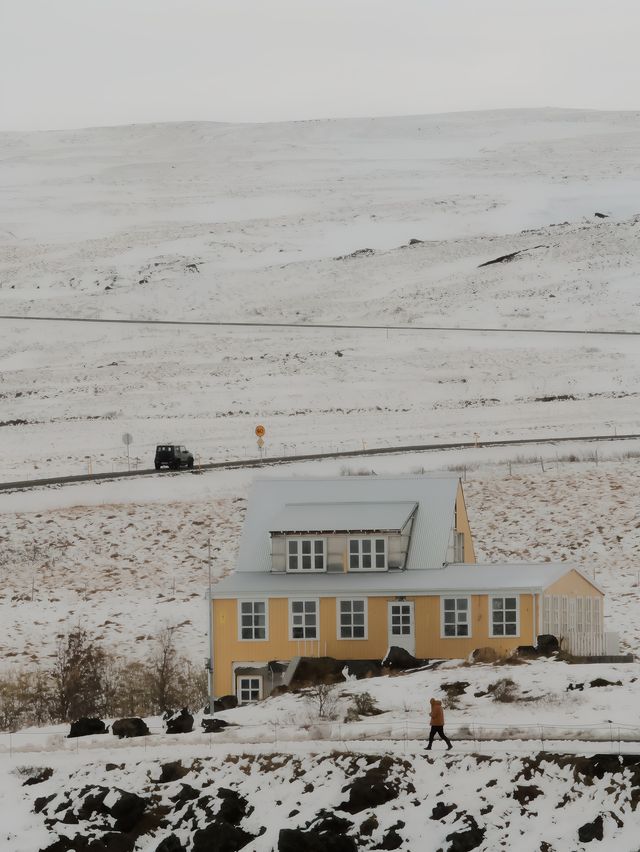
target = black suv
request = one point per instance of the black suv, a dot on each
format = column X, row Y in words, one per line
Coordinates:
column 172, row 456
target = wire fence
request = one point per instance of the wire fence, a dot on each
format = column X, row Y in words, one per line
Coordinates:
column 407, row 735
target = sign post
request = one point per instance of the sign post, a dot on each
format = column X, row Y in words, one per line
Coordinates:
column 127, row 440
column 260, row 433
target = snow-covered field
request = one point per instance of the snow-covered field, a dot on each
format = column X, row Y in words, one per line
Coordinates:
column 265, row 223
column 109, row 222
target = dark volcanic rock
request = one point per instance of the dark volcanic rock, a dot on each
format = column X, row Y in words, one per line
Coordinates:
column 187, row 793
column 219, row 836
column 212, row 726
column 312, row 670
column 173, row 771
column 225, row 702
column 591, row 830
column 170, row 844
column 464, row 841
column 133, row 727
column 547, row 644
column 234, row 807
column 296, row 840
column 128, row 810
column 370, row 790
column 441, row 810
column 87, row 726
column 180, row 723
column 331, row 822
column 525, row 794
column 399, row 658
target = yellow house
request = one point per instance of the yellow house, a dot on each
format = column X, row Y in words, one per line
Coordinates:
column 348, row 567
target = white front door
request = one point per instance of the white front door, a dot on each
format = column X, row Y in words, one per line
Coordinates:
column 401, row 626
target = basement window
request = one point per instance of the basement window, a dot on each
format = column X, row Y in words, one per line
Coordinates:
column 249, row 689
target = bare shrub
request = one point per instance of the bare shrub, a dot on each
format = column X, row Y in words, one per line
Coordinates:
column 78, row 677
column 504, row 690
column 363, row 704
column 323, row 698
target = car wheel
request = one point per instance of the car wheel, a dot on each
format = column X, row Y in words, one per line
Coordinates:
column 157, row 466
column 190, row 462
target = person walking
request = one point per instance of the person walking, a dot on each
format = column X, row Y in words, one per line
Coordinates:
column 437, row 724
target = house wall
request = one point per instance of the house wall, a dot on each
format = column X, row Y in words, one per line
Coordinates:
column 228, row 649
column 573, row 583
column 464, row 527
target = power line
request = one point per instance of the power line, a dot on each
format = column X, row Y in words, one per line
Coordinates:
column 324, row 326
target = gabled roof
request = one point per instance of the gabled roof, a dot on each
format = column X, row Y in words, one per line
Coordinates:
column 431, row 531
column 456, row 579
column 343, row 517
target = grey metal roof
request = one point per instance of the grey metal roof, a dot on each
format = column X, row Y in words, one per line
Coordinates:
column 343, row 517
column 459, row 578
column 431, row 530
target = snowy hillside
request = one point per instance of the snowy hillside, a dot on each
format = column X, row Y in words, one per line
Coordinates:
column 265, row 222
column 269, row 223
column 125, row 560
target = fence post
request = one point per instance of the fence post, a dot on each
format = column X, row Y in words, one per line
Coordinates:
column 542, row 736
column 10, row 744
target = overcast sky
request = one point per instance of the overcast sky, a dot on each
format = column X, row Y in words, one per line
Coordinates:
column 73, row 63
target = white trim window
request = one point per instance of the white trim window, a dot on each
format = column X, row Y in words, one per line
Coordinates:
column 368, row 554
column 306, row 554
column 304, row 619
column 504, row 613
column 252, row 620
column 249, row 688
column 458, row 546
column 455, row 618
column 352, row 618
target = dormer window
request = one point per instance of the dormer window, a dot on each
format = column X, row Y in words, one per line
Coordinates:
column 368, row 554
column 306, row 554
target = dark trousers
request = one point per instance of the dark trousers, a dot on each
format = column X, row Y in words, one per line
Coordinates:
column 438, row 729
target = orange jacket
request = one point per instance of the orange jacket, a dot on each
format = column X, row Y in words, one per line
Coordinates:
column 437, row 713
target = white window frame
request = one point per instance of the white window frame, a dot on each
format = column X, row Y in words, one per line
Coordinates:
column 293, row 638
column 239, row 679
column 339, row 635
column 299, row 556
column 264, row 601
column 503, row 597
column 458, row 547
column 373, row 539
column 454, row 597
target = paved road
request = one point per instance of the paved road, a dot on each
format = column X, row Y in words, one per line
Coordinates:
column 311, row 325
column 276, row 460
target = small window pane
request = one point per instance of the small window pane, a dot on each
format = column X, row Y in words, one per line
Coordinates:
column 462, row 603
column 366, row 545
column 379, row 545
column 297, row 606
column 353, row 546
column 293, row 547
column 449, row 604
column 497, row 603
column 510, row 603
column 358, row 606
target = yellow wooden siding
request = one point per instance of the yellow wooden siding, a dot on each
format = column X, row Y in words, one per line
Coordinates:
column 573, row 584
column 228, row 649
column 464, row 527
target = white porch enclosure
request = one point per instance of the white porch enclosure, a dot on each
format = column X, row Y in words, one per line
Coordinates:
column 590, row 644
